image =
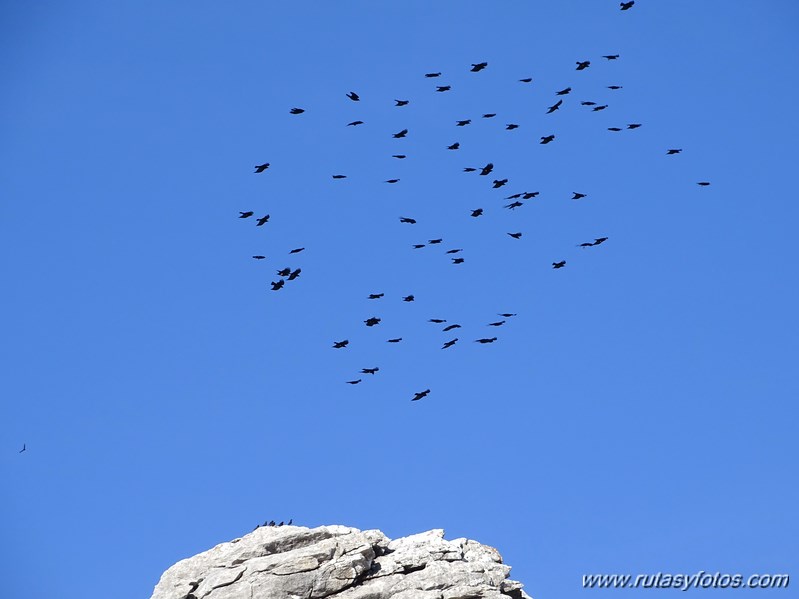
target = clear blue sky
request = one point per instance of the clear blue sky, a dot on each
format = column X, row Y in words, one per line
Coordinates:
column 638, row 415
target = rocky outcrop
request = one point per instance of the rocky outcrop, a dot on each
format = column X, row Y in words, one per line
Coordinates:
column 294, row 562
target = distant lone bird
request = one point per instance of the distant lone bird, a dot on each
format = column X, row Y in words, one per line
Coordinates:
column 353, row 96
column 598, row 108
column 633, row 125
column 443, row 88
column 339, row 176
column 353, row 123
column 23, row 448
column 420, row 395
column 560, row 264
column 583, row 65
column 627, row 5
column 670, row 152
column 451, row 327
column 506, row 315
column 297, row 110
column 392, row 180
column 487, row 169
column 294, row 274
column 434, row 241
column 489, row 115
column 259, row 168
column 370, row 322
column 408, row 298
column 614, row 129
column 511, row 126
column 515, row 235
column 397, row 340
column 463, row 123
column 437, row 320
column 261, row 221
column 614, row 86
column 526, row 80
column 376, row 295
column 355, row 382
column 259, row 257
column 400, row 156
column 296, row 250
column 449, row 343
column 513, row 206
column 369, row 370
column 454, row 146
column 563, row 92
column 279, row 285
column 547, row 139
column 247, row 214
column 401, row 102
column 611, row 56
column 402, row 133
column 478, row 212
column 704, row 183
column 410, row 221
column 432, row 75
column 490, row 340
column 499, row 183
column 499, row 323
column 458, row 260
column 478, row 67
column 554, row 107
column 577, row 195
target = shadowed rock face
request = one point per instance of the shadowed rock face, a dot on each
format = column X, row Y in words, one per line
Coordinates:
column 338, row 562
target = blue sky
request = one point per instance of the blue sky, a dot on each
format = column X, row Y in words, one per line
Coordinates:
column 638, row 415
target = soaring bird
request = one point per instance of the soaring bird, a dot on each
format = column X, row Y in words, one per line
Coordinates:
column 506, row 315
column 614, row 86
column 355, row 382
column 560, row 264
column 704, row 183
column 586, row 244
column 284, row 272
column 599, row 240
column 526, row 80
column 410, row 221
column 400, row 156
column 340, row 344
column 547, row 139
column 296, row 250
column 477, row 212
column 392, row 181
column 554, row 107
column 451, row 327
column 402, row 102
column 469, row 169
column 420, row 395
column 463, row 123
column 578, row 195
column 259, row 168
column 418, row 246
column 408, row 298
column 515, row 196
column 487, row 169
column 499, row 323
column 434, row 241
column 614, row 128
column 627, row 5
column 513, row 206
column 489, row 115
column 261, row 221
column 455, row 251
column 297, row 110
column 259, row 257
column 611, row 56
column 454, row 146
column 516, row 235
column 247, row 214
column 432, row 75
column 339, row 176
column 437, row 320
column 402, row 133
column 279, row 285
column 449, row 343
column 499, row 183
column 23, row 448
column 458, row 260
column 633, row 125
column 294, row 274
column 353, row 96
column 583, row 65
column 443, row 88
column 563, row 92
column 478, row 67
column 397, row 340
column 588, row 103
column 376, row 295
column 489, row 340
column 370, row 322
column 670, row 152
column 598, row 108
column 511, row 126
column 530, row 194
column 369, row 370
column 354, row 123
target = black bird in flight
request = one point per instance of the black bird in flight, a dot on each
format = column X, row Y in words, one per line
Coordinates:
column 599, row 240
column 513, row 206
column 451, row 327
column 614, row 129
column 443, row 88
column 516, row 235
column 370, row 322
column 499, row 323
column 583, row 65
column 627, row 5
column 410, row 221
column 506, row 315
column 284, row 272
column 339, row 176
column 397, row 340
column 402, row 102
column 560, row 264
column 420, row 395
column 670, row 152
column 259, row 257
column 434, row 241
column 704, row 183
column 261, row 221
column 554, row 107
column 563, row 92
column 402, row 133
column 449, row 343
column 547, row 139
column 23, row 448
column 598, row 108
column 296, row 250
column 511, row 126
column 247, row 214
column 633, row 125
column 588, row 103
column 515, row 196
column 279, row 285
column 454, row 251
column 611, row 56
column 354, row 123
column 369, row 370
column 463, row 123
column 469, row 169
column 478, row 67
column 392, row 181
column 294, row 274
column 477, row 212
column 530, row 194
column 355, row 382
column 499, row 183
column 432, row 74
column 526, row 80
column 489, row 115
column 614, row 86
column 418, row 246
column 458, row 260
column 297, row 110
column 376, row 295
column 259, row 168
column 586, row 244
column 454, row 146
column 353, row 96
column 437, row 320
column 578, row 195
column 408, row 298
column 487, row 169
column 400, row 156
column 489, row 340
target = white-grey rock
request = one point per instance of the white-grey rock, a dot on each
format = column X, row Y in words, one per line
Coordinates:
column 338, row 562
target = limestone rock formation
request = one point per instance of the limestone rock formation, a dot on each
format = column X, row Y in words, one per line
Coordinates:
column 295, row 562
